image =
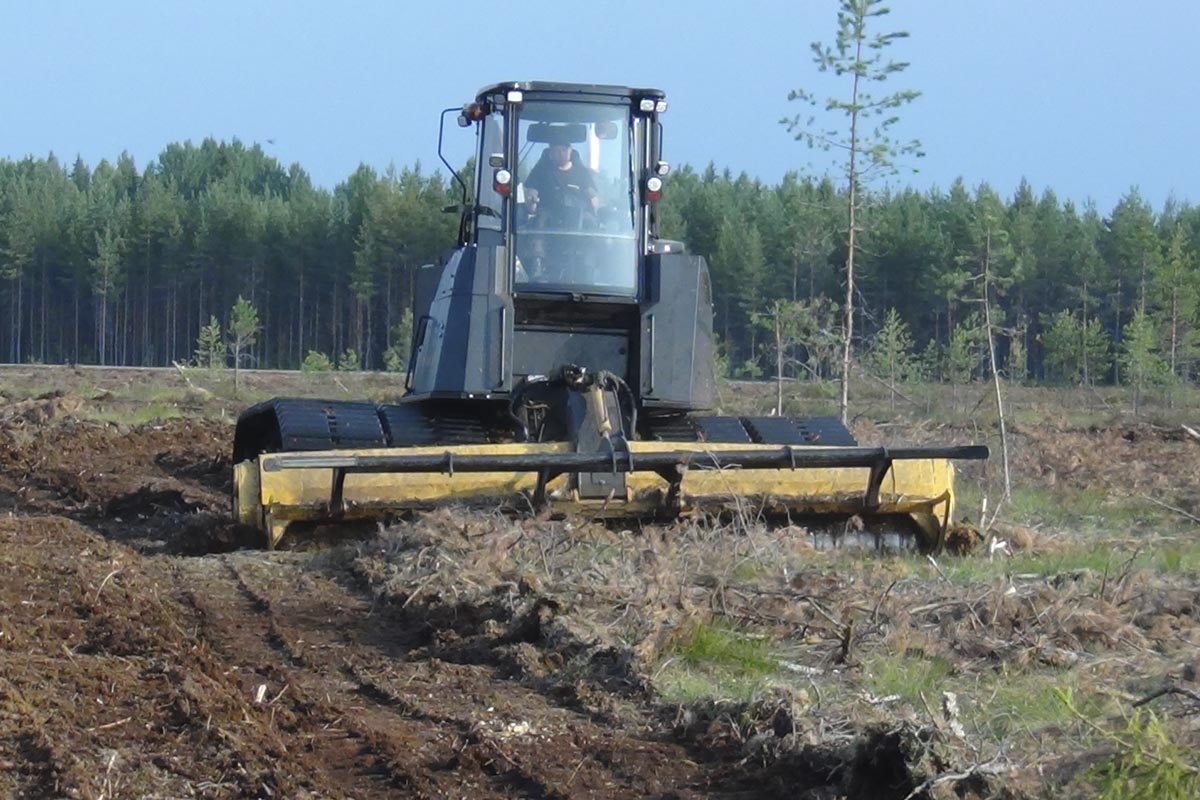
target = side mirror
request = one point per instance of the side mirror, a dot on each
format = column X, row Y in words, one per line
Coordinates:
column 473, row 112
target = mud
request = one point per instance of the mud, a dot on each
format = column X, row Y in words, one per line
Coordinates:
column 144, row 654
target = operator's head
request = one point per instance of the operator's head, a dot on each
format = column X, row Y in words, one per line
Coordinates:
column 560, row 154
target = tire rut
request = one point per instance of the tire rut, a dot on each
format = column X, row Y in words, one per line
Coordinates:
column 379, row 721
column 391, row 720
column 347, row 750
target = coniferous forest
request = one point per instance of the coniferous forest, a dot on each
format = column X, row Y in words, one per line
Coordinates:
column 118, row 264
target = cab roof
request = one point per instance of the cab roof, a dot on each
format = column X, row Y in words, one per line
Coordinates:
column 577, row 89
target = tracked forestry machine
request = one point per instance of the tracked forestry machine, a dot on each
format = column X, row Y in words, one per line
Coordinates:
column 563, row 359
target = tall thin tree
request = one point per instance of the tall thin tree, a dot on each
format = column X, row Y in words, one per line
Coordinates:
column 862, row 134
column 244, row 327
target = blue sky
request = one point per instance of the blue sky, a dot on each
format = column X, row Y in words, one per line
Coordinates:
column 1087, row 97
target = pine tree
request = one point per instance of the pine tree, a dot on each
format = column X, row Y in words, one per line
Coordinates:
column 1142, row 365
column 348, row 361
column 964, row 355
column 1095, row 351
column 316, row 361
column 858, row 55
column 890, row 357
column 1132, row 251
column 244, row 327
column 106, row 279
column 210, row 346
column 1177, row 296
column 1018, row 355
column 1060, row 347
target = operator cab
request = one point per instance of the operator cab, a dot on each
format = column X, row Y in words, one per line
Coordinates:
column 559, row 266
column 561, row 182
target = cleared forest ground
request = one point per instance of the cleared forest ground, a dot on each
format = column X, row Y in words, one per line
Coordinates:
column 143, row 654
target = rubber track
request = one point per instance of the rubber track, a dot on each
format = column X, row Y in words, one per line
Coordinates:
column 302, row 424
column 298, row 424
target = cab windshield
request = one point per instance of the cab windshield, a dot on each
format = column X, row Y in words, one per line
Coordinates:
column 575, row 202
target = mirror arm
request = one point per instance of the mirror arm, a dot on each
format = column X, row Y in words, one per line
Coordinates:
column 462, row 224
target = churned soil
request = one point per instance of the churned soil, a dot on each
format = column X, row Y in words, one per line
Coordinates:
column 148, row 650
column 139, row 660
column 143, row 655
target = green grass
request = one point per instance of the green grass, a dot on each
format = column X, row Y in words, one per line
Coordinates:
column 24, row 390
column 679, row 684
column 998, row 705
column 1086, row 509
column 1015, row 702
column 1097, row 555
column 138, row 415
column 718, row 645
column 1150, row 763
column 906, row 676
column 751, row 569
column 715, row 661
column 1182, row 557
column 1065, row 508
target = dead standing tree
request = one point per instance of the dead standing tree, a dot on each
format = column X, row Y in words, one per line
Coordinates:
column 991, row 341
column 863, row 137
column 989, row 253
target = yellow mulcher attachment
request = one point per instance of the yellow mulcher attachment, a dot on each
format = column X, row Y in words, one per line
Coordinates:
column 910, row 489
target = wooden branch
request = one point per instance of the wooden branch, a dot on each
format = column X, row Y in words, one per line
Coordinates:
column 108, row 725
column 1167, row 690
column 879, row 602
column 942, row 604
column 104, row 583
column 1179, row 511
column 982, row 398
column 861, row 371
column 183, row 374
column 986, row 768
column 1192, row 432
